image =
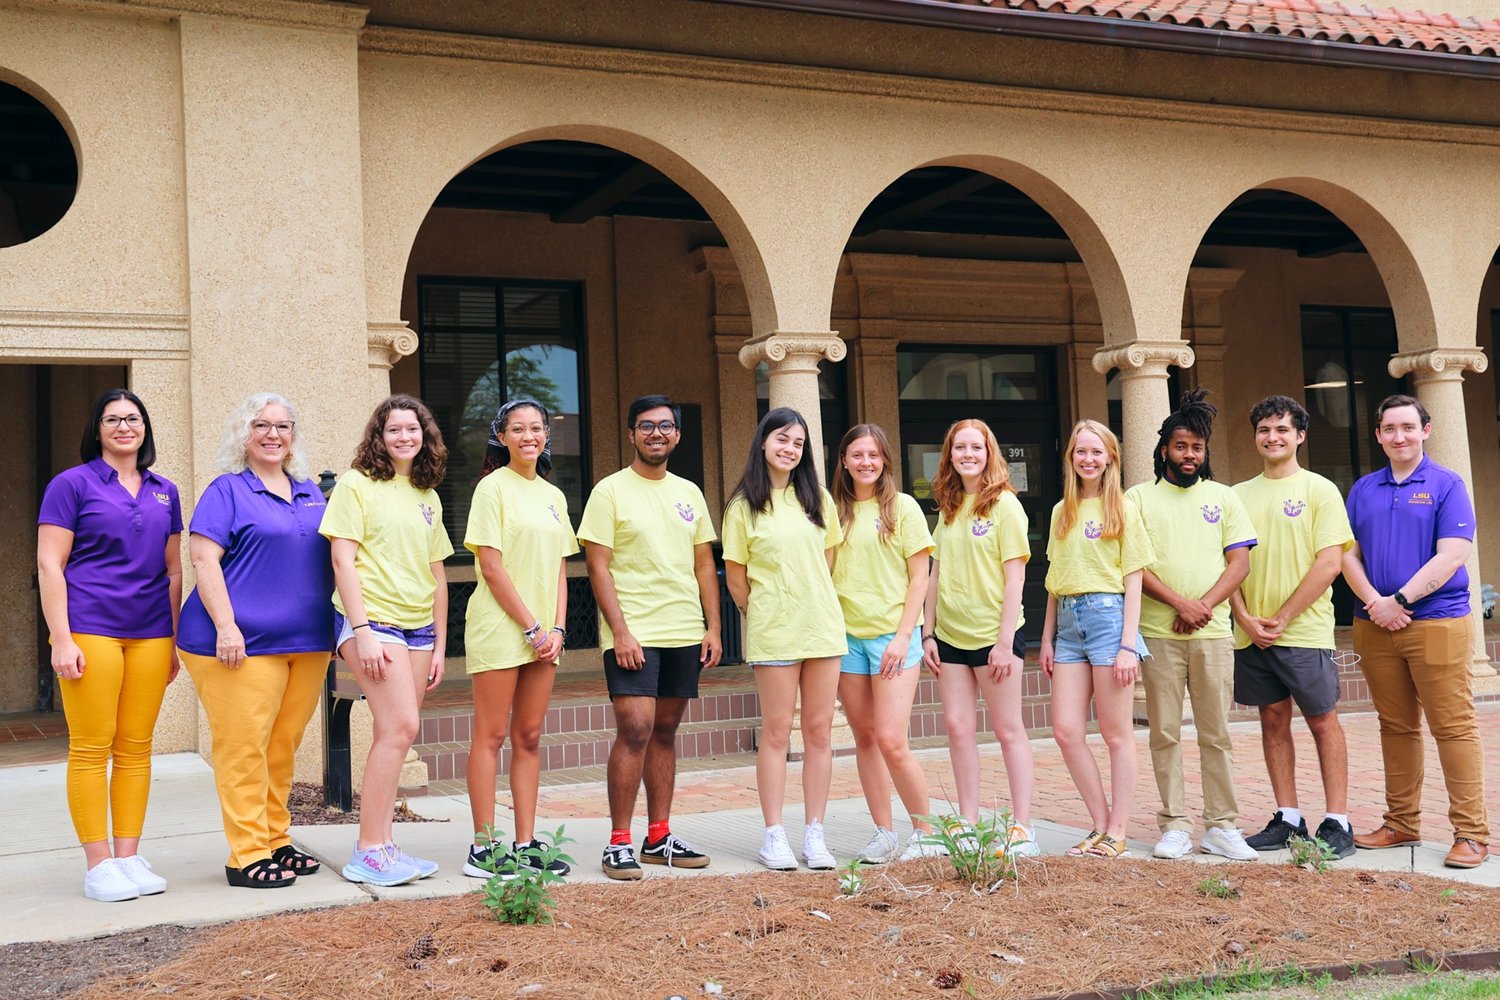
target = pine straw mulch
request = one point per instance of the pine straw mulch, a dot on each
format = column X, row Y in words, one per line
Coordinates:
column 1073, row 924
column 305, row 803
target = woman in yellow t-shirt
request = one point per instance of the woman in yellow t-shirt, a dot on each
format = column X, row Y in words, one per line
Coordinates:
column 384, row 524
column 520, row 535
column 972, row 640
column 1096, row 548
column 880, row 573
column 780, row 531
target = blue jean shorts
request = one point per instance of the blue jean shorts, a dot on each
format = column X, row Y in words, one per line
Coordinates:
column 1089, row 628
column 864, row 655
column 418, row 639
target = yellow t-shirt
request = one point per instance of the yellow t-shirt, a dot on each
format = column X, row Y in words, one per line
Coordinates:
column 526, row 521
column 971, row 554
column 1293, row 518
column 651, row 525
column 794, row 613
column 1191, row 530
column 1086, row 562
column 400, row 534
column 869, row 571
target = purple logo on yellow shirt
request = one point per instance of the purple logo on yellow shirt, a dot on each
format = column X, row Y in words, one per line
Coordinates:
column 555, row 515
column 165, row 499
column 878, row 527
column 1422, row 498
column 685, row 511
column 1212, row 514
column 981, row 527
column 427, row 512
column 1092, row 529
column 1293, row 508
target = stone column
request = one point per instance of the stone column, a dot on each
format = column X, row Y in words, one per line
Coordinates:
column 1439, row 376
column 793, row 358
column 1143, row 396
column 389, row 342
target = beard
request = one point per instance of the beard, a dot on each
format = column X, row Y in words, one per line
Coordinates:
column 1180, row 478
column 653, row 460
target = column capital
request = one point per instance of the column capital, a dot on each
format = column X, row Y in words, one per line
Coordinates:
column 389, row 342
column 800, row 348
column 1442, row 364
column 1143, row 357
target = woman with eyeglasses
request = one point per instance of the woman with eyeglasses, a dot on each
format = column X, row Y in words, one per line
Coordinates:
column 109, row 566
column 514, row 629
column 257, row 631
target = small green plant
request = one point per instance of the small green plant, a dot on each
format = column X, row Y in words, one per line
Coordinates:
column 1217, row 888
column 1423, row 965
column 1248, row 977
column 1322, row 982
column 518, row 890
column 979, row 853
column 1447, row 895
column 1313, row 854
column 850, row 880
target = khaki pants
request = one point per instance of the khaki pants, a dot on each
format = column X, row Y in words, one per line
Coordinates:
column 1204, row 670
column 1419, row 670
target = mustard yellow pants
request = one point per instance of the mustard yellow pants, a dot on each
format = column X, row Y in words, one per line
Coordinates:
column 111, row 712
column 257, row 714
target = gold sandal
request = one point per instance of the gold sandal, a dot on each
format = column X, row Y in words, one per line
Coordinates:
column 1110, row 847
column 1086, row 844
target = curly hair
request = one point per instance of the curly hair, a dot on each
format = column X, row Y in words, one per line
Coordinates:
column 1194, row 415
column 1111, row 496
column 431, row 462
column 885, row 486
column 948, row 486
column 231, row 457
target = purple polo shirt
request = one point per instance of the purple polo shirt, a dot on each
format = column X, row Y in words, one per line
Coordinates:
column 276, row 566
column 117, row 570
column 1397, row 526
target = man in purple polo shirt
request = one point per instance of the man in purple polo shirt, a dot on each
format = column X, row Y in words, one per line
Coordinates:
column 1413, row 529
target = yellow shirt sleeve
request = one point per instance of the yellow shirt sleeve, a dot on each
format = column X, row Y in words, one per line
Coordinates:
column 1330, row 517
column 486, row 525
column 912, row 527
column 736, row 541
column 1013, row 541
column 833, row 531
column 345, row 515
column 439, row 545
column 705, row 533
column 1135, row 546
column 598, row 524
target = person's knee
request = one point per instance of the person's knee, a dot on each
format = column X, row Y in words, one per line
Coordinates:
column 399, row 730
column 1276, row 718
column 776, row 735
column 488, row 739
column 525, row 736
column 893, row 746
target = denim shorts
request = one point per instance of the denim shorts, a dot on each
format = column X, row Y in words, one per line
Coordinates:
column 1089, row 628
column 864, row 655
column 417, row 639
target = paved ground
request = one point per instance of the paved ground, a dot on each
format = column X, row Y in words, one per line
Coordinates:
column 41, row 867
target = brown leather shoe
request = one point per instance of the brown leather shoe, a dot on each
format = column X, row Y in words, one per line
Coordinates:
column 1386, row 836
column 1466, row 853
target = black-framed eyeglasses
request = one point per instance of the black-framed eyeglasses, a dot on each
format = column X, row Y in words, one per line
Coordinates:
column 129, row 420
column 649, row 426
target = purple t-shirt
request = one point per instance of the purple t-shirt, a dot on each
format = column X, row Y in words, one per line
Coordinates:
column 276, row 567
column 1397, row 526
column 117, row 570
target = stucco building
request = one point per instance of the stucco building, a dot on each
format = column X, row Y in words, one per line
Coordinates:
column 903, row 211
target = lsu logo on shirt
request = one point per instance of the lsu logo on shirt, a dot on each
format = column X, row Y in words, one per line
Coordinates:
column 685, row 511
column 1093, row 530
column 981, row 527
column 1212, row 514
column 1293, row 508
column 427, row 512
column 1420, row 498
column 165, row 499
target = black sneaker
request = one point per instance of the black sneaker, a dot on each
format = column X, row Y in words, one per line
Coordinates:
column 1338, row 837
column 491, row 860
column 672, row 852
column 620, row 863
column 524, row 856
column 1276, row 834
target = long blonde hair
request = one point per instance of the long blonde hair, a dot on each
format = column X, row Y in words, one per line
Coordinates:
column 1111, row 495
column 948, row 485
column 885, row 486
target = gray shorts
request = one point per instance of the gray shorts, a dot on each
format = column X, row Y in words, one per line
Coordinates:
column 1266, row 676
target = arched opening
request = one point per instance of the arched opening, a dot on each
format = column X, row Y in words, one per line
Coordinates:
column 38, row 167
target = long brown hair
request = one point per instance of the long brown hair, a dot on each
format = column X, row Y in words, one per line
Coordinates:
column 948, row 485
column 885, row 486
column 1111, row 494
column 373, row 460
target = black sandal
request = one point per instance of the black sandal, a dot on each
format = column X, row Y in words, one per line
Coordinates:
column 288, row 856
column 262, row 874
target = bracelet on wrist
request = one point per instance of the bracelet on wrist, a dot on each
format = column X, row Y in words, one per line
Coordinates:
column 360, row 625
column 928, row 635
column 533, row 632
column 559, row 630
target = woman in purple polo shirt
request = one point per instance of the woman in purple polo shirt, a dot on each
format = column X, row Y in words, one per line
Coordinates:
column 257, row 631
column 109, row 564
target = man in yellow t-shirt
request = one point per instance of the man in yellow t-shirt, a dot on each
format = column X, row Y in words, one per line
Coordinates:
column 1284, row 623
column 1202, row 538
column 651, row 564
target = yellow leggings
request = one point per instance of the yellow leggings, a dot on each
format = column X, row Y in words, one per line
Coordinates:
column 257, row 713
column 111, row 712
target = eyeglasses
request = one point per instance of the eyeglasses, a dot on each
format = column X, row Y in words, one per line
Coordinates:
column 129, row 420
column 282, row 427
column 648, row 426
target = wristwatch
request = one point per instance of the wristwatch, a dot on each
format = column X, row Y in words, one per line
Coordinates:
column 1401, row 600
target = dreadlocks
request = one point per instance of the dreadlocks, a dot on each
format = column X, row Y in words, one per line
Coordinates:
column 1195, row 415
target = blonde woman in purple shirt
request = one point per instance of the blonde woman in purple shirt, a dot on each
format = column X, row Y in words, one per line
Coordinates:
column 110, row 569
column 257, row 631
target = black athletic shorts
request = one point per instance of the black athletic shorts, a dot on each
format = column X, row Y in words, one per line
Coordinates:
column 669, row 672
column 975, row 657
column 1266, row 676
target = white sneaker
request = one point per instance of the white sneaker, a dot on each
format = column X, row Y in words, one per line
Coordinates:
column 814, row 851
column 107, row 883
column 883, row 847
column 776, row 853
column 1228, row 842
column 1021, row 842
column 138, row 870
column 923, row 845
column 1174, row 844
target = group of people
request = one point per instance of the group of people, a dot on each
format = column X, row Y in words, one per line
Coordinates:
column 1207, row 593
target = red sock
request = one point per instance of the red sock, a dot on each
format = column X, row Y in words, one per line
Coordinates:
column 619, row 836
column 658, row 830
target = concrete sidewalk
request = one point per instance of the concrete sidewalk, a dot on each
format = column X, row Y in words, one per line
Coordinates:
column 42, row 868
